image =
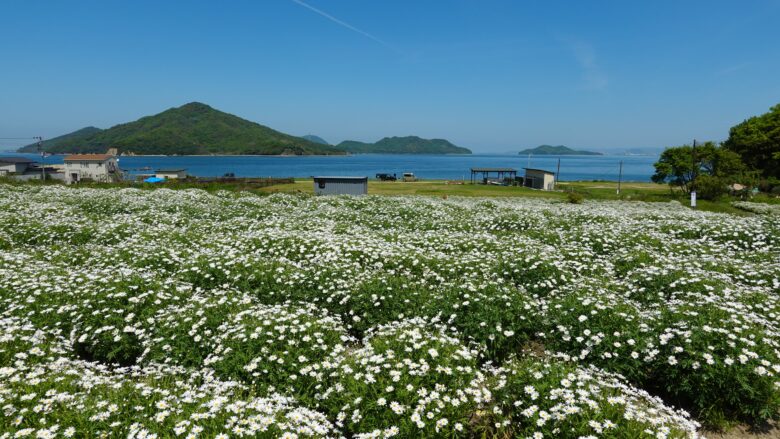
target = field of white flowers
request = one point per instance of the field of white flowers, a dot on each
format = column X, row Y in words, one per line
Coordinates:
column 143, row 314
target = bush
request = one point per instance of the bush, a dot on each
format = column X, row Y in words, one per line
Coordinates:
column 378, row 301
column 277, row 347
column 501, row 321
column 711, row 188
column 549, row 398
column 717, row 364
column 574, row 197
column 412, row 378
column 594, row 328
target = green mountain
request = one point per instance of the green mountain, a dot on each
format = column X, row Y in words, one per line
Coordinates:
column 191, row 129
column 403, row 145
column 315, row 139
column 48, row 145
column 556, row 150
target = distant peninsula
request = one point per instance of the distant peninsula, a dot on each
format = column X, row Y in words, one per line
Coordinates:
column 556, row 150
column 192, row 129
column 403, row 145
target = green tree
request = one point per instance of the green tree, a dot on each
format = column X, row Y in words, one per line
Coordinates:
column 757, row 141
column 716, row 166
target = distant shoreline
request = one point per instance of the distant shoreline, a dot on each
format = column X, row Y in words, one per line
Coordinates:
column 508, row 154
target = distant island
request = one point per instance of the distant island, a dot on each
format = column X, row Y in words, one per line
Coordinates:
column 192, row 129
column 403, row 145
column 556, row 150
column 315, row 139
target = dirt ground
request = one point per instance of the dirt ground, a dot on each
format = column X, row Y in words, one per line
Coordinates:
column 768, row 431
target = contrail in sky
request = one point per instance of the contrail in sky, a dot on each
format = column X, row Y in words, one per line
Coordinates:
column 345, row 24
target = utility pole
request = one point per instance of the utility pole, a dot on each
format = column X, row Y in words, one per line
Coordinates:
column 694, row 174
column 40, row 150
column 558, row 173
column 620, row 176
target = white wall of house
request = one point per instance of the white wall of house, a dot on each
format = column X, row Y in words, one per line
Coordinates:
column 12, row 168
column 78, row 170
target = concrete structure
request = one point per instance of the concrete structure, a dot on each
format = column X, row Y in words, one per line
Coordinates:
column 35, row 174
column 502, row 175
column 539, row 179
column 340, row 185
column 171, row 174
column 14, row 165
column 94, row 167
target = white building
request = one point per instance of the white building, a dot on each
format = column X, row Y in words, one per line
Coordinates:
column 171, row 174
column 539, row 179
column 14, row 165
column 93, row 167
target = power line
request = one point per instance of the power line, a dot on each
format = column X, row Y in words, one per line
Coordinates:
column 18, row 138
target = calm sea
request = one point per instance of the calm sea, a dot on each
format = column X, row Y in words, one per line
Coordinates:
column 450, row 167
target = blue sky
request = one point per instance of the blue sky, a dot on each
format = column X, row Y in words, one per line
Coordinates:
column 492, row 75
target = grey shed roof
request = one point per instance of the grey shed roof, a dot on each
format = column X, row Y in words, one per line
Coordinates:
column 539, row 170
column 339, row 177
column 15, row 160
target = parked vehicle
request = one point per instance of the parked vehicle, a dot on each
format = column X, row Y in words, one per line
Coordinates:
column 386, row 177
column 409, row 176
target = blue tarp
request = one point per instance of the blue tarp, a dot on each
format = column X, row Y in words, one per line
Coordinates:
column 154, row 180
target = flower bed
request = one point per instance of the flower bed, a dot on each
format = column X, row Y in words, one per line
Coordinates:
column 129, row 313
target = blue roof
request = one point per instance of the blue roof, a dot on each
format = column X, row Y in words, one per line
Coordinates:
column 154, row 180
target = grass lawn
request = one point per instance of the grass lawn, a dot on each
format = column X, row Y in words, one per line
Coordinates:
column 427, row 187
column 590, row 190
column 595, row 190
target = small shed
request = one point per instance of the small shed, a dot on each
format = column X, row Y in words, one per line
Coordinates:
column 340, row 185
column 539, row 179
column 502, row 174
column 171, row 174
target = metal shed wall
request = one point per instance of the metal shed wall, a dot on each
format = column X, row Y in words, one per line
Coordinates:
column 340, row 185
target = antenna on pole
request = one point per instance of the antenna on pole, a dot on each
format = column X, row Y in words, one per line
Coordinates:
column 620, row 177
column 43, row 156
column 694, row 174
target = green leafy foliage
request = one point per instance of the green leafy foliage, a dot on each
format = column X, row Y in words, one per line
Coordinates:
column 716, row 166
column 757, row 141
